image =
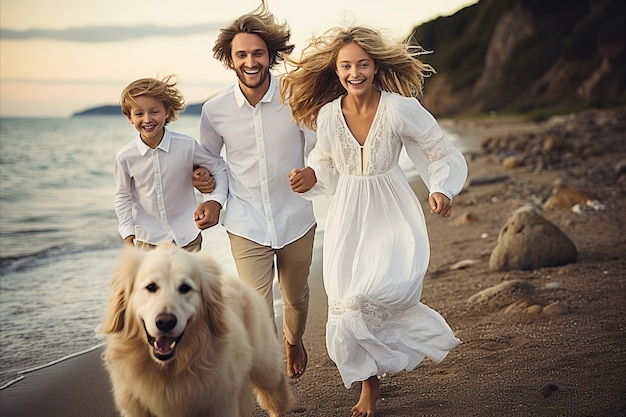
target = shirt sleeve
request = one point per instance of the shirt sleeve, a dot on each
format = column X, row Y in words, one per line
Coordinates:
column 440, row 164
column 217, row 168
column 320, row 158
column 212, row 143
column 123, row 199
column 310, row 139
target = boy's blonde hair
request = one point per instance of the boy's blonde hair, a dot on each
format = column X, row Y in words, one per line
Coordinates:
column 164, row 90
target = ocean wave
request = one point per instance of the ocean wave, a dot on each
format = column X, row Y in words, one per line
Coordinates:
column 21, row 263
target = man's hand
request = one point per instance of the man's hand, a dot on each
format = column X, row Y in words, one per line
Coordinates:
column 207, row 214
column 203, row 180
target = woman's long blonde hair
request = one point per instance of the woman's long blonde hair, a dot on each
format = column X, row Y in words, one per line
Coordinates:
column 313, row 82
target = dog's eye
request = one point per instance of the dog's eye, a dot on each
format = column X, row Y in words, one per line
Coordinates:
column 152, row 287
column 184, row 289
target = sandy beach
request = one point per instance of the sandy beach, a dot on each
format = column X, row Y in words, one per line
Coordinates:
column 512, row 362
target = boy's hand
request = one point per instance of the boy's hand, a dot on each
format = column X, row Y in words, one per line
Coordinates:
column 207, row 214
column 440, row 204
column 302, row 180
column 203, row 180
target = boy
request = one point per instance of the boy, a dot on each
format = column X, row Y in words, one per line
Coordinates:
column 155, row 199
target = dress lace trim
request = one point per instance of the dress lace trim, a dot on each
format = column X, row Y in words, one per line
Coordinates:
column 374, row 314
column 381, row 149
column 435, row 144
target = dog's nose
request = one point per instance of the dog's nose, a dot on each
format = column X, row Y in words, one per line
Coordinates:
column 166, row 322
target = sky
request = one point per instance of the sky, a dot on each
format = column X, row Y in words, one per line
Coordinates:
column 63, row 56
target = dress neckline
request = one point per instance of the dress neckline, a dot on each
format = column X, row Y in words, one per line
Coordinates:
column 372, row 126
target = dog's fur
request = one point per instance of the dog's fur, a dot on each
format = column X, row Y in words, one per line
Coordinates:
column 226, row 348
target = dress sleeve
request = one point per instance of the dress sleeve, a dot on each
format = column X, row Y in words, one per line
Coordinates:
column 441, row 165
column 320, row 159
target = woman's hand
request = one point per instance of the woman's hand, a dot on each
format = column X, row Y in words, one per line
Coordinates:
column 302, row 180
column 440, row 204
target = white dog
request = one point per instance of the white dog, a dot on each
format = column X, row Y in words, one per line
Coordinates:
column 185, row 341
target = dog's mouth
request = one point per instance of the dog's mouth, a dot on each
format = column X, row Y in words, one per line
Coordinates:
column 163, row 347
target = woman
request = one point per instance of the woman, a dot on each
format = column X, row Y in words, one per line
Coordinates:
column 358, row 91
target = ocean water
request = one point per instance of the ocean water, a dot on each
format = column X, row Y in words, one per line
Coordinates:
column 58, row 234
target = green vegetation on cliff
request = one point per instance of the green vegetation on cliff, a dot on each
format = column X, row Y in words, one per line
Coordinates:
column 526, row 55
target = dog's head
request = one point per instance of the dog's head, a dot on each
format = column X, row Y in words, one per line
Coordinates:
column 162, row 295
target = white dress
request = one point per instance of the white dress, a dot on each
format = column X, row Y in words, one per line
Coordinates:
column 376, row 248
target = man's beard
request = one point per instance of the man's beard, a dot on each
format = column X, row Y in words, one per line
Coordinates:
column 242, row 77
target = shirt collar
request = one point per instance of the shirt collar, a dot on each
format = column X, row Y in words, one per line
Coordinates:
column 269, row 94
column 164, row 145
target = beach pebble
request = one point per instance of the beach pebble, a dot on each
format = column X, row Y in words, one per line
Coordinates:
column 595, row 205
column 513, row 161
column 503, row 294
column 526, row 306
column 564, row 197
column 551, row 387
column 558, row 308
column 465, row 219
column 487, row 179
column 529, row 241
column 620, row 167
column 463, row 264
column 555, row 286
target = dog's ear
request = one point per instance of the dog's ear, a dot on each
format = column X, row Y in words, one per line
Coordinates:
column 122, row 285
column 210, row 275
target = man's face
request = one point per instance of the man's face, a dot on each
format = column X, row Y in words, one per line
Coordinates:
column 251, row 59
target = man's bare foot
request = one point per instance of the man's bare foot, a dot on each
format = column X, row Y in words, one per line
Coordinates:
column 297, row 359
column 370, row 391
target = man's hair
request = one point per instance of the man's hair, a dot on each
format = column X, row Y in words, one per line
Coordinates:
column 259, row 22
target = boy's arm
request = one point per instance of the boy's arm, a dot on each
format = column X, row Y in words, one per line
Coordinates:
column 123, row 201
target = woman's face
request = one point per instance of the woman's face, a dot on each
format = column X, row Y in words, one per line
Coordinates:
column 355, row 69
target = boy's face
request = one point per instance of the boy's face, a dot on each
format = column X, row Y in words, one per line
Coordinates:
column 148, row 115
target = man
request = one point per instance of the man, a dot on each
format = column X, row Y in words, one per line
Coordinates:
column 268, row 225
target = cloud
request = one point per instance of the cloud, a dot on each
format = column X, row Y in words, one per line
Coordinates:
column 99, row 34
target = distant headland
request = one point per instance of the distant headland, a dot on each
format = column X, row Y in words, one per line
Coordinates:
column 114, row 110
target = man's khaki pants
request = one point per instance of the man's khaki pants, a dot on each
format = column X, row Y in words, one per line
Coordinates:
column 255, row 265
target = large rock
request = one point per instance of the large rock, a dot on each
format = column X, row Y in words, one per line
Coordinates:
column 529, row 241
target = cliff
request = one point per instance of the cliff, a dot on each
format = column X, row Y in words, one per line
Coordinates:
column 525, row 56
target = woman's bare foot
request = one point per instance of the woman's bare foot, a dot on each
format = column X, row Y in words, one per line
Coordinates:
column 370, row 391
